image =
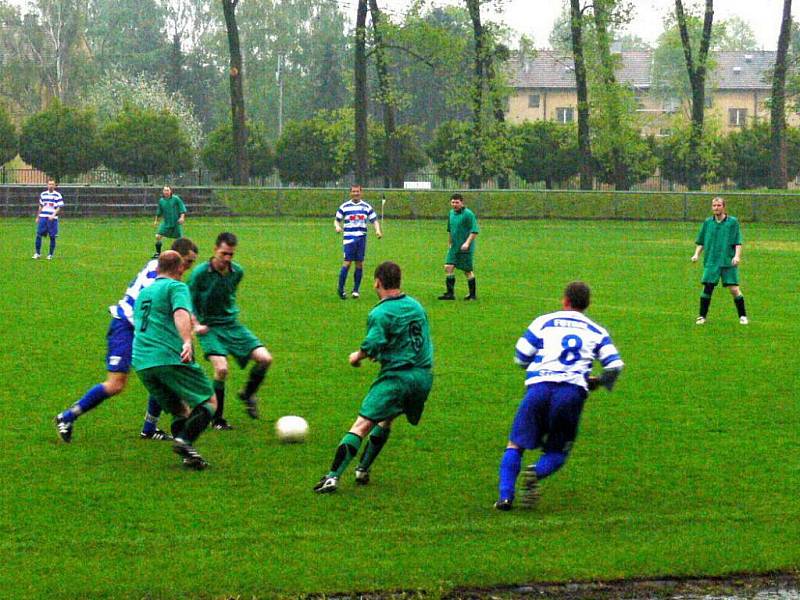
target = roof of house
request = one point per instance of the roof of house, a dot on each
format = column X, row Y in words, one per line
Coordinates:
column 551, row 69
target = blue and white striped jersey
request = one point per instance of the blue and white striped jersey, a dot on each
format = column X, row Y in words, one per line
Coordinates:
column 124, row 308
column 49, row 202
column 355, row 215
column 561, row 346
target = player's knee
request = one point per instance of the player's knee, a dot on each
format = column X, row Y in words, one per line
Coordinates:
column 262, row 357
column 114, row 385
column 221, row 372
column 708, row 289
column 735, row 291
column 212, row 403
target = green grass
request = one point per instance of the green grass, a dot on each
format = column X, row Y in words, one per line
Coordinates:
column 688, row 468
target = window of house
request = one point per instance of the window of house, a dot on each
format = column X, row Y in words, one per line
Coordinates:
column 565, row 114
column 533, row 100
column 737, row 117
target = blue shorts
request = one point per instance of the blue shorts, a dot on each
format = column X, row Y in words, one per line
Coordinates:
column 548, row 417
column 120, row 346
column 356, row 249
column 46, row 226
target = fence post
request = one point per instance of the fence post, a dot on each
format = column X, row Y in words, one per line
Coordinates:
column 4, row 174
column 685, row 207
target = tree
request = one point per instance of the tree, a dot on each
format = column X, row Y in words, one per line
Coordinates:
column 696, row 69
column 409, row 154
column 61, row 141
column 217, row 154
column 360, row 94
column 144, row 142
column 8, row 138
column 307, row 153
column 236, row 76
column 677, row 160
column 778, row 173
column 746, row 155
column 584, row 143
column 548, row 152
column 475, row 166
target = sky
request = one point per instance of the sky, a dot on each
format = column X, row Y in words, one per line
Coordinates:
column 536, row 17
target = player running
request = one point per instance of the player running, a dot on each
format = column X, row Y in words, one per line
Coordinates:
column 118, row 356
column 557, row 351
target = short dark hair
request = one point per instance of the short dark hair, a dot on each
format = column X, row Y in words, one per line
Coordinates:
column 578, row 294
column 388, row 273
column 169, row 262
column 457, row 196
column 183, row 246
column 226, row 237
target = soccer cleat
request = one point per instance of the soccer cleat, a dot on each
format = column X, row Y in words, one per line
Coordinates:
column 504, row 504
column 342, row 295
column 221, row 425
column 64, row 429
column 362, row 476
column 700, row 321
column 191, row 457
column 530, row 488
column 156, row 436
column 743, row 321
column 250, row 405
column 156, row 255
column 36, row 256
column 470, row 297
column 326, row 485
column 355, row 295
column 49, row 257
column 447, row 296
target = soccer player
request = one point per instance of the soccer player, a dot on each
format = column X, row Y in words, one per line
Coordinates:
column 399, row 338
column 351, row 219
column 164, row 359
column 557, row 351
column 172, row 208
column 462, row 229
column 721, row 239
column 50, row 204
column 213, row 287
column 118, row 355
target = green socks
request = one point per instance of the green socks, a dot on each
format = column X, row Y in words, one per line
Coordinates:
column 450, row 282
column 347, row 450
column 377, row 440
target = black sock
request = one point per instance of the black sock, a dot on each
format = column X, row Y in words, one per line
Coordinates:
column 705, row 302
column 257, row 374
column 198, row 421
column 450, row 282
column 158, row 247
column 178, row 426
column 219, row 392
column 739, row 301
column 471, row 285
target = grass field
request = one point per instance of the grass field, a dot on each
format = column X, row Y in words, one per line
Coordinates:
column 689, row 468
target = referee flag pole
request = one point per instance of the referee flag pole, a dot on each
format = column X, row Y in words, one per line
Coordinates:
column 383, row 206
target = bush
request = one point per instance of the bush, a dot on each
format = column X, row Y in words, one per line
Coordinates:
column 548, row 152
column 746, row 155
column 61, row 141
column 8, row 138
column 218, row 155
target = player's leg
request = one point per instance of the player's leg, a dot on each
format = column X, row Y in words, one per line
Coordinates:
column 159, row 244
column 258, row 372
column 220, row 365
column 150, row 430
column 730, row 279
column 564, row 416
column 359, row 251
column 711, row 276
column 41, row 230
column 450, row 282
column 471, row 285
column 345, row 452
column 343, row 273
column 378, row 436
column 52, row 232
column 527, row 429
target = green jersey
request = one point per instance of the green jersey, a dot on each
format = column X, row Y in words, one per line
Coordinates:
column 460, row 225
column 214, row 293
column 398, row 335
column 156, row 341
column 171, row 209
column 719, row 240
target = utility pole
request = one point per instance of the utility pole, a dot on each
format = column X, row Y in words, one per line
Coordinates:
column 279, row 78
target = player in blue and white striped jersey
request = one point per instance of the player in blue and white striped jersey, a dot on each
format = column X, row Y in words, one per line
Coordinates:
column 557, row 351
column 50, row 204
column 351, row 220
column 118, row 356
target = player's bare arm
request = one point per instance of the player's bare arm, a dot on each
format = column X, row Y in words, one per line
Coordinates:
column 378, row 231
column 465, row 246
column 182, row 218
column 356, row 357
column 737, row 255
column 183, row 323
column 337, row 226
column 697, row 251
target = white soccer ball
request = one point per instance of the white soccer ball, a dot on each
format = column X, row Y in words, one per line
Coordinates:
column 291, row 429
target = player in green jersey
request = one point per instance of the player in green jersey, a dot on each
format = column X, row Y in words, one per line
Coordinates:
column 462, row 227
column 213, row 285
column 163, row 357
column 721, row 240
column 399, row 338
column 172, row 208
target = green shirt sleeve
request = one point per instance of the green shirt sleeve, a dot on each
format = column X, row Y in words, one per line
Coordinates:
column 376, row 336
column 736, row 235
column 180, row 297
column 159, row 210
column 194, row 288
column 474, row 220
column 181, row 205
column 701, row 235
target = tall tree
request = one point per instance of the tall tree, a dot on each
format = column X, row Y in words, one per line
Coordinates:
column 360, row 101
column 696, row 68
column 478, row 85
column 584, row 143
column 236, row 75
column 393, row 176
column 778, row 173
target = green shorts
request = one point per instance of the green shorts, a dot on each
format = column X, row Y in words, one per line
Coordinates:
column 396, row 392
column 170, row 232
column 729, row 275
column 461, row 260
column 172, row 385
column 234, row 339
